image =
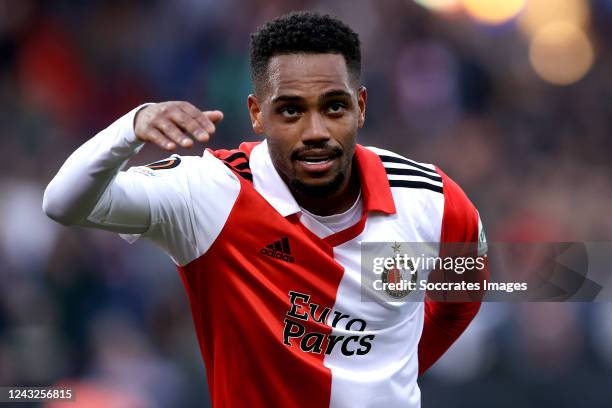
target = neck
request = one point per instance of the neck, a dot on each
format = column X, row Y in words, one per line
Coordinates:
column 336, row 203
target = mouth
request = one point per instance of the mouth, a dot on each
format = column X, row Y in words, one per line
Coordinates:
column 316, row 161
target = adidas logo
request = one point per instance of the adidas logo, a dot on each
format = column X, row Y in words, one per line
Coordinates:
column 279, row 249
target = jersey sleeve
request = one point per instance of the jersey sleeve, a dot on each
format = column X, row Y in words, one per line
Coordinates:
column 180, row 203
column 189, row 199
column 446, row 320
column 90, row 170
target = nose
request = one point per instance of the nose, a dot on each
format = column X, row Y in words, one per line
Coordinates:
column 316, row 130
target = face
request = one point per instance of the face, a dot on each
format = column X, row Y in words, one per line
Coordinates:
column 309, row 112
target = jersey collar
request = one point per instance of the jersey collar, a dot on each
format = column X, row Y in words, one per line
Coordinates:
column 374, row 182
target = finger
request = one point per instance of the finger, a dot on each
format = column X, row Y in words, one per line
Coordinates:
column 156, row 137
column 189, row 125
column 200, row 116
column 172, row 132
column 214, row 116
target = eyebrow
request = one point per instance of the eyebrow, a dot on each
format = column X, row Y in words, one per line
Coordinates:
column 335, row 94
column 287, row 98
column 296, row 98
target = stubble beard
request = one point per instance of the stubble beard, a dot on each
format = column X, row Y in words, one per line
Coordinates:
column 318, row 190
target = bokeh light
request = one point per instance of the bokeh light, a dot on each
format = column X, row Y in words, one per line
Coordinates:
column 561, row 53
column 493, row 12
column 539, row 13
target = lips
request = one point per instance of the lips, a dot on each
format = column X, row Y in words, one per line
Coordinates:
column 316, row 161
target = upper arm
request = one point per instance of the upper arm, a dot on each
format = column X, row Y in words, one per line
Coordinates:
column 188, row 199
column 461, row 236
column 123, row 207
column 448, row 313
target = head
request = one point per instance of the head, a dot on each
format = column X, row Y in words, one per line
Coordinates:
column 308, row 101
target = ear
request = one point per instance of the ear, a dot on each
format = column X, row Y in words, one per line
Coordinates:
column 255, row 113
column 362, row 98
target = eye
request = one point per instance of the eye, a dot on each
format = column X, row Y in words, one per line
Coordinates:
column 289, row 112
column 336, row 108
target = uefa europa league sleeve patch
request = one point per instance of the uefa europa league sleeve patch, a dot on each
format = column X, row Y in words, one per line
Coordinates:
column 165, row 164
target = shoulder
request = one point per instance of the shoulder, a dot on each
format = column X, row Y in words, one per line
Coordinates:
column 409, row 173
column 237, row 160
column 216, row 169
column 427, row 187
column 406, row 173
column 191, row 198
column 182, row 169
column 180, row 181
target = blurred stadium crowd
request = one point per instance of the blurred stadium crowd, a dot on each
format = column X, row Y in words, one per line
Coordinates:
column 524, row 128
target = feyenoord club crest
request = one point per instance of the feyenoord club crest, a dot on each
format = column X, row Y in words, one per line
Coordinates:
column 396, row 275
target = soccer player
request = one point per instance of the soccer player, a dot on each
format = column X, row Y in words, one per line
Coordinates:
column 266, row 237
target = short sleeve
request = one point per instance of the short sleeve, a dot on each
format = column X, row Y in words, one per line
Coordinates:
column 190, row 198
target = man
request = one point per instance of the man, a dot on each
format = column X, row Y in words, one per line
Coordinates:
column 267, row 236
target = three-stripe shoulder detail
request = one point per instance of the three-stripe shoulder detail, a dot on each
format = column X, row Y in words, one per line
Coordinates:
column 237, row 160
column 406, row 173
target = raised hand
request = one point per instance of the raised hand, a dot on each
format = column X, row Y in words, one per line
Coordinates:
column 168, row 124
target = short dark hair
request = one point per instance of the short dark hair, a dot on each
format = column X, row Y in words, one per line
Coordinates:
column 303, row 33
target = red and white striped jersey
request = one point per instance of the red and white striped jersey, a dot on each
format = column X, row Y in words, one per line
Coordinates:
column 277, row 307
